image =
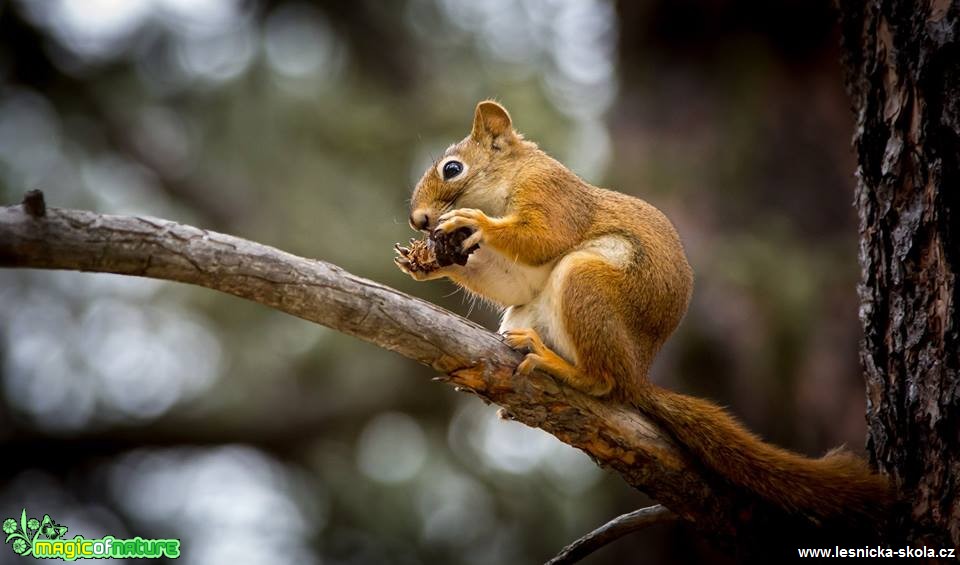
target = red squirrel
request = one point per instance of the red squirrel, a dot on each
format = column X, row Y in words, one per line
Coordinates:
column 592, row 282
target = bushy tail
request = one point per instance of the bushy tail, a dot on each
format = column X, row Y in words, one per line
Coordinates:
column 836, row 487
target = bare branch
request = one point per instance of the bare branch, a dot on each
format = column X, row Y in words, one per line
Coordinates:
column 470, row 357
column 612, row 531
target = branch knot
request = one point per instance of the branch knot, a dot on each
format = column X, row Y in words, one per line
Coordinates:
column 34, row 204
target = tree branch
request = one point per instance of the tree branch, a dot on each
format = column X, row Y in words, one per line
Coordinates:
column 612, row 531
column 470, row 357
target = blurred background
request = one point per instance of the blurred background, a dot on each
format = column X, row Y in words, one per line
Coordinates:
column 135, row 407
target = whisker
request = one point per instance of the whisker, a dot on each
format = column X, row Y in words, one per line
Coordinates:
column 473, row 303
column 454, row 291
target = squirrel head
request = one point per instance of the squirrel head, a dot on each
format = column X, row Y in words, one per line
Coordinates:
column 477, row 172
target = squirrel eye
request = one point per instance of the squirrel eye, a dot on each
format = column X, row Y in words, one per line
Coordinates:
column 452, row 169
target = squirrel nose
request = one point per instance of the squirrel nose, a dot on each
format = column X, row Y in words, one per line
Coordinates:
column 419, row 220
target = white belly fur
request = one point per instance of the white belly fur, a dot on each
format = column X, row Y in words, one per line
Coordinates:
column 502, row 279
column 543, row 310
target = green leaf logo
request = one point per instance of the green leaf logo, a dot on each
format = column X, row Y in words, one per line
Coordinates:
column 24, row 533
column 18, row 533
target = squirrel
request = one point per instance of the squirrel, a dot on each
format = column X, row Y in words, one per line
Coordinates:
column 592, row 283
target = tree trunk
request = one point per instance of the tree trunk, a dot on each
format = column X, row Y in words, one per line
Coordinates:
column 902, row 60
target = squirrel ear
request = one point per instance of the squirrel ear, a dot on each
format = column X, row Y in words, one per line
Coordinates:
column 491, row 120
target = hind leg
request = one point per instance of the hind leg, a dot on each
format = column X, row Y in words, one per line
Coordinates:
column 588, row 292
column 539, row 356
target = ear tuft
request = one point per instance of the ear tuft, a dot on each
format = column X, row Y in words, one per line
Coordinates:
column 491, row 120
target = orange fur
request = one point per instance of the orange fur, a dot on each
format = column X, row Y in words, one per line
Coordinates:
column 594, row 282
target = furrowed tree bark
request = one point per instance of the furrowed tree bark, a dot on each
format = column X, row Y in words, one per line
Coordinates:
column 902, row 60
column 468, row 356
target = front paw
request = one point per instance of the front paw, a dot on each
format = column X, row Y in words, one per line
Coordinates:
column 405, row 266
column 470, row 218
